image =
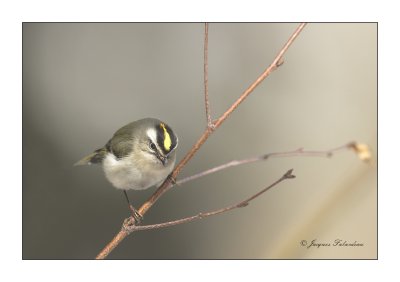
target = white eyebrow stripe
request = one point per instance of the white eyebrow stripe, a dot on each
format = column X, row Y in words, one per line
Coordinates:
column 152, row 134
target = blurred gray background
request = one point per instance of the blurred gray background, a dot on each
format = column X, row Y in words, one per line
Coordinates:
column 82, row 81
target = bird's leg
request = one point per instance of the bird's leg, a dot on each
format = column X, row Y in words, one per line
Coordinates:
column 135, row 214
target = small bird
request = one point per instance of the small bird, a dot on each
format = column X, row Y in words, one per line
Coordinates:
column 140, row 154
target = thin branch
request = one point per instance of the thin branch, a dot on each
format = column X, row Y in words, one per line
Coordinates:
column 207, row 102
column 299, row 152
column 244, row 203
column 167, row 183
column 203, row 138
column 295, row 153
column 278, row 61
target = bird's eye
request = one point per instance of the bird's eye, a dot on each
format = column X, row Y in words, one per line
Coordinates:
column 152, row 146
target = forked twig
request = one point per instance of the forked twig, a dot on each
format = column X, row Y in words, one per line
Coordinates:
column 241, row 204
column 206, row 134
column 295, row 153
column 214, row 125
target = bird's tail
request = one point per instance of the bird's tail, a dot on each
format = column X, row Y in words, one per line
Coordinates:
column 95, row 157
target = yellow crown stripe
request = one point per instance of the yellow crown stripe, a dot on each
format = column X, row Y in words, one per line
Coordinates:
column 167, row 138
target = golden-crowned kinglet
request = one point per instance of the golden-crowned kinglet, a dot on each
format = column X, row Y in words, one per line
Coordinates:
column 139, row 155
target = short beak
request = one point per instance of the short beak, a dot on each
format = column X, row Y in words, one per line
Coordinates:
column 163, row 159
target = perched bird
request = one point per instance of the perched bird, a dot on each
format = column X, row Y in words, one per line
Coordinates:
column 139, row 155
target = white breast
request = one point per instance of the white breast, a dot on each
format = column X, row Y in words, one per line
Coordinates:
column 127, row 174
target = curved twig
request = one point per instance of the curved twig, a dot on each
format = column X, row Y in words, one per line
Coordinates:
column 241, row 204
column 209, row 130
column 295, row 153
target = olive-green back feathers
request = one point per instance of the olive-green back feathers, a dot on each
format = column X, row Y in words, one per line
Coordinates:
column 122, row 142
column 120, row 145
